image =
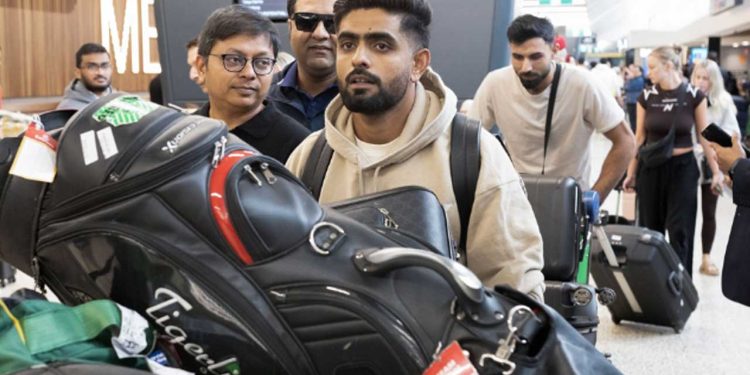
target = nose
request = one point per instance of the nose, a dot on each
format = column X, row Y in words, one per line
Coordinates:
column 360, row 57
column 248, row 71
column 193, row 73
column 320, row 32
column 525, row 66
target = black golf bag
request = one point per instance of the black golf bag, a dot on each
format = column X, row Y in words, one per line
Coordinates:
column 239, row 267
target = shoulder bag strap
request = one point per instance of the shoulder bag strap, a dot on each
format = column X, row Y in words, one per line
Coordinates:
column 550, row 110
column 465, row 163
column 316, row 165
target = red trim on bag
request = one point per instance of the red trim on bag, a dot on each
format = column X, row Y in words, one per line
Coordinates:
column 217, row 195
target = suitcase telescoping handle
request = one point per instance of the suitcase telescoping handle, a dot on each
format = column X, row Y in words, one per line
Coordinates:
column 473, row 302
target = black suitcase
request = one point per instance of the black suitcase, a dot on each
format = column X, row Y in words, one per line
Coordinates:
column 561, row 216
column 558, row 206
column 651, row 283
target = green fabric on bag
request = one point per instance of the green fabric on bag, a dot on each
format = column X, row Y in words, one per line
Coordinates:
column 56, row 332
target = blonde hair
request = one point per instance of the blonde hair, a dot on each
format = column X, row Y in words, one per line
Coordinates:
column 717, row 94
column 667, row 54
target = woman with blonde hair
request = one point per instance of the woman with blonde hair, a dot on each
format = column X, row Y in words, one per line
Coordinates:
column 665, row 174
column 722, row 112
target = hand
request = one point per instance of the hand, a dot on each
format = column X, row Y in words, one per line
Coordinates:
column 629, row 184
column 717, row 182
column 725, row 156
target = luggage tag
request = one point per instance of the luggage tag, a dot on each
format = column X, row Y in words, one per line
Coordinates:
column 35, row 159
column 451, row 361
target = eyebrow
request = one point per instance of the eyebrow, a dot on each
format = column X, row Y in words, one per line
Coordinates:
column 380, row 35
column 233, row 51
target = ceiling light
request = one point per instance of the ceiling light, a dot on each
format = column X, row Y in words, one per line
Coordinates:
column 735, row 45
column 745, row 43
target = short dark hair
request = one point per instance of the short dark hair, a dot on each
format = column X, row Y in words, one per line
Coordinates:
column 528, row 27
column 415, row 20
column 88, row 49
column 232, row 20
column 192, row 43
column 290, row 4
column 604, row 60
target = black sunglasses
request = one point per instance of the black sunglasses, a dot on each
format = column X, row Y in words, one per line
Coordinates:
column 307, row 22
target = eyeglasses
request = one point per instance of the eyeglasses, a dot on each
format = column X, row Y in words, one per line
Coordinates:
column 92, row 67
column 235, row 63
column 308, row 22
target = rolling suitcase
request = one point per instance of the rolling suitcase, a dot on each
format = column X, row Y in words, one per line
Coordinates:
column 652, row 285
column 558, row 206
column 559, row 209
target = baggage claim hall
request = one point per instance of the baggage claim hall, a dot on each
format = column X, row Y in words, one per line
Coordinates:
column 374, row 187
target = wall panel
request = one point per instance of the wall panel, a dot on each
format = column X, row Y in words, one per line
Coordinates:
column 39, row 39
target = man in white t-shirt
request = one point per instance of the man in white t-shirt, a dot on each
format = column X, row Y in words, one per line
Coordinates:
column 611, row 82
column 516, row 99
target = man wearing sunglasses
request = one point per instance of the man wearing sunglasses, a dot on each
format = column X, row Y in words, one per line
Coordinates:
column 236, row 54
column 306, row 86
column 93, row 77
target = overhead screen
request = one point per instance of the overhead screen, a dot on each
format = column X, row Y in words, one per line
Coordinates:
column 273, row 9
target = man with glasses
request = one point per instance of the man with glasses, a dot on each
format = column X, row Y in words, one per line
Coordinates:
column 93, row 77
column 306, row 86
column 236, row 54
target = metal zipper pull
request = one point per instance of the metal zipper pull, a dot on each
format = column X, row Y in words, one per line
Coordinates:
column 220, row 148
column 270, row 177
column 388, row 222
column 252, row 174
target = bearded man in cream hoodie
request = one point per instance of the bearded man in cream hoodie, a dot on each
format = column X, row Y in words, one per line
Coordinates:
column 390, row 127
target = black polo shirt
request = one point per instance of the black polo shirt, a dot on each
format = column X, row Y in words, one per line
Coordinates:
column 270, row 131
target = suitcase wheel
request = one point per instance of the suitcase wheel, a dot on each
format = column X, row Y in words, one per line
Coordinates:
column 616, row 321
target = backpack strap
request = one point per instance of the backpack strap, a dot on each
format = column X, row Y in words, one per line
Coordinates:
column 465, row 163
column 316, row 165
column 550, row 110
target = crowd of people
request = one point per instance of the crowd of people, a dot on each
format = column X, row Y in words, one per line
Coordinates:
column 362, row 79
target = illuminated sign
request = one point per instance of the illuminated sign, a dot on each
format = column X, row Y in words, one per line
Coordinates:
column 120, row 41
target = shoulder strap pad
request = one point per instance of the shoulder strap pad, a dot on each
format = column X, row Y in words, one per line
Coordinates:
column 316, row 165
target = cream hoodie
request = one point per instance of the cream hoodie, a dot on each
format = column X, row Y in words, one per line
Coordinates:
column 504, row 243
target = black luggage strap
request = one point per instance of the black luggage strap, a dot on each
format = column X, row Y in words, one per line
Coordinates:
column 317, row 165
column 550, row 111
column 465, row 162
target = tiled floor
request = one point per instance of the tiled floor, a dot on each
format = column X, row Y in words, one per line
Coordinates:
column 716, row 339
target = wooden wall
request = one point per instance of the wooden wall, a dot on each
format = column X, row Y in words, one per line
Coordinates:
column 39, row 38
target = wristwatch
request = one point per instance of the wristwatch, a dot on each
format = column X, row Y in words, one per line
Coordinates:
column 732, row 168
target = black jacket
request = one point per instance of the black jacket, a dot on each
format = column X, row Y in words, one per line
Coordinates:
column 735, row 282
column 270, row 131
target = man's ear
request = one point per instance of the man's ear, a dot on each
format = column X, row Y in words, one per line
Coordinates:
column 78, row 73
column 554, row 48
column 420, row 63
column 289, row 24
column 201, row 65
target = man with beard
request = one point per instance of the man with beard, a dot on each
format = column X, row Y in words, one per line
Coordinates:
column 517, row 99
column 93, row 77
column 306, row 86
column 391, row 127
column 237, row 51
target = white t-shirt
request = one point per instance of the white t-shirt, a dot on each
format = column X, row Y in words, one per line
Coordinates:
column 608, row 78
column 581, row 107
column 374, row 152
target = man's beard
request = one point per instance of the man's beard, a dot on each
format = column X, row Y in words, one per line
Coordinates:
column 94, row 87
column 384, row 99
column 532, row 80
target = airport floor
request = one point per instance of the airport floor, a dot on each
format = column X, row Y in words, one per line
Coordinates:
column 716, row 339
